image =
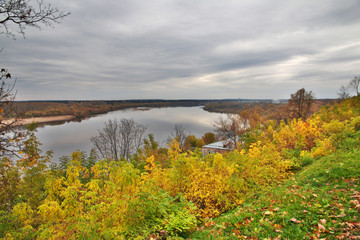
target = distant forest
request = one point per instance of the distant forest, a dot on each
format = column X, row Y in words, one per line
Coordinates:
column 84, row 109
column 267, row 109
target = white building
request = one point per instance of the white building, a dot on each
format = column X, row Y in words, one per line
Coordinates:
column 218, row 147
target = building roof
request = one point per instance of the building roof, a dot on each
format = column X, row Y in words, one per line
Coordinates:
column 224, row 145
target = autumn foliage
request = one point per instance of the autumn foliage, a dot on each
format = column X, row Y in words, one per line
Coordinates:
column 161, row 194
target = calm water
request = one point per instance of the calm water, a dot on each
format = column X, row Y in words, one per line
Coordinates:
column 72, row 136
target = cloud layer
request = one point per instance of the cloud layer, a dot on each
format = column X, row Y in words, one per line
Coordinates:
column 172, row 49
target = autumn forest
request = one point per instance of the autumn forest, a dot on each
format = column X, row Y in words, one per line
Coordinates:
column 178, row 192
column 287, row 169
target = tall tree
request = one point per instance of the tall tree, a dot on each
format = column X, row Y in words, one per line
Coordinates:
column 231, row 128
column 343, row 92
column 119, row 139
column 300, row 103
column 131, row 136
column 10, row 134
column 209, row 137
column 18, row 14
column 179, row 134
column 354, row 84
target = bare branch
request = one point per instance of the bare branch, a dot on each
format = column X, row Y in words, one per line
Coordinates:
column 119, row 139
column 20, row 14
column 179, row 134
column 10, row 135
column 231, row 128
column 343, row 92
column 354, row 84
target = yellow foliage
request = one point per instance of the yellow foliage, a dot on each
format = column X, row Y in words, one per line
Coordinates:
column 333, row 127
column 264, row 165
column 323, row 148
column 174, row 150
column 298, row 134
column 24, row 212
column 50, row 211
column 120, row 201
column 150, row 163
column 206, row 184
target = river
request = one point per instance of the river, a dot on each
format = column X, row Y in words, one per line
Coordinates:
column 66, row 138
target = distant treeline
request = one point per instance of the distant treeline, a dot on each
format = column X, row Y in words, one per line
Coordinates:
column 88, row 108
column 267, row 109
column 83, row 109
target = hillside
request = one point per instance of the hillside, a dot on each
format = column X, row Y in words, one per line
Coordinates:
column 267, row 109
column 288, row 180
column 322, row 201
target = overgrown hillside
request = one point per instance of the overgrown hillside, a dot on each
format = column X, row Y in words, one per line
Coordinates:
column 269, row 110
column 289, row 180
column 322, row 201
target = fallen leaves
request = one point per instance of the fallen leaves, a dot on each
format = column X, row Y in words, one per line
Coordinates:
column 341, row 215
column 294, row 220
column 321, row 226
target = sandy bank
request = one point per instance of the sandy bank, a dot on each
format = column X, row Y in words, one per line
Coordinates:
column 27, row 121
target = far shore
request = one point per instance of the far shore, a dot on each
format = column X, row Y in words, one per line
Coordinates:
column 49, row 119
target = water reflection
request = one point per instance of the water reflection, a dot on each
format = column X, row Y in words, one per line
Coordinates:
column 71, row 136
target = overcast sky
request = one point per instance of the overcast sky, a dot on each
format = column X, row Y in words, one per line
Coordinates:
column 182, row 49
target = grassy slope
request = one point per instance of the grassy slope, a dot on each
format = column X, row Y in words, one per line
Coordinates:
column 320, row 202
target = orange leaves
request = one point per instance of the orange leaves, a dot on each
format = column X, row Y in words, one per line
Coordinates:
column 209, row 224
column 150, row 163
column 240, row 225
column 297, row 134
column 246, row 221
column 7, row 164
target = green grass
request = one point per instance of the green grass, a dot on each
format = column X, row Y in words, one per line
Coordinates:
column 322, row 201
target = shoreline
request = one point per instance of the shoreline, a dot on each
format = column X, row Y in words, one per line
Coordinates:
column 49, row 119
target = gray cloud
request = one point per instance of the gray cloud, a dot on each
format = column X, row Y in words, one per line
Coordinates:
column 184, row 49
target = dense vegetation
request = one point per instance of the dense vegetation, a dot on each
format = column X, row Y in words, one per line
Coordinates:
column 268, row 109
column 296, row 179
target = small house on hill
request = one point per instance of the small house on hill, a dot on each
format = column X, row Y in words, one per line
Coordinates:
column 217, row 147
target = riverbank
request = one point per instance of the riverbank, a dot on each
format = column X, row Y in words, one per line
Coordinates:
column 49, row 119
column 85, row 109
